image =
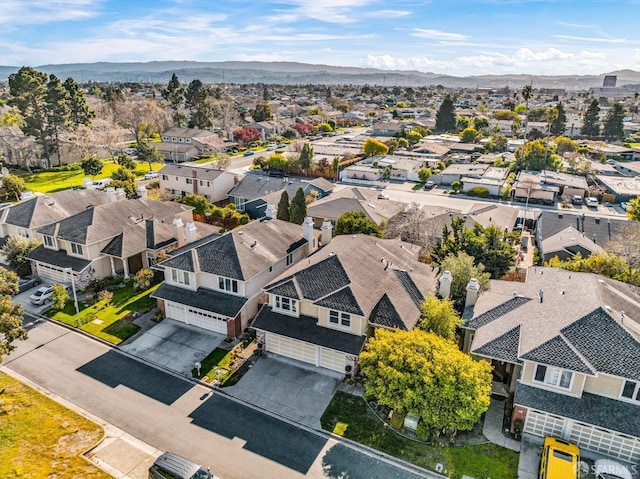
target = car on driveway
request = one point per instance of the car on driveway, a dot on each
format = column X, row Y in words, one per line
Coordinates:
column 43, row 295
column 174, row 466
column 151, row 175
column 576, row 199
column 27, row 282
column 625, row 206
column 591, row 202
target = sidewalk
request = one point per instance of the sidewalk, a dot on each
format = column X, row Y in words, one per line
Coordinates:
column 492, row 429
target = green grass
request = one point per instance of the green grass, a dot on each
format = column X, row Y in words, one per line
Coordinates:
column 350, row 417
column 52, row 181
column 112, row 329
column 418, row 186
column 217, row 359
column 41, row 438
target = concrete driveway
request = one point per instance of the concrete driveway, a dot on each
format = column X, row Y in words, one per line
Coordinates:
column 174, row 345
column 290, row 388
column 23, row 299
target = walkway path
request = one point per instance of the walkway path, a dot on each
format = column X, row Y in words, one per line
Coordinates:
column 492, row 429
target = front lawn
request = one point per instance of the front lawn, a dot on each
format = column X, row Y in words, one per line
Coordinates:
column 107, row 322
column 41, row 438
column 349, row 416
column 52, row 181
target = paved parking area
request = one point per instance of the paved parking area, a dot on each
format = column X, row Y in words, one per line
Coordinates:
column 174, row 345
column 290, row 388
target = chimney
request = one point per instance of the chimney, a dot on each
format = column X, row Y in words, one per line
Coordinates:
column 307, row 233
column 327, row 232
column 473, row 288
column 120, row 194
column 541, row 295
column 178, row 231
column 445, row 284
column 150, row 234
column 191, row 232
column 271, row 212
column 142, row 191
column 196, row 260
column 111, row 194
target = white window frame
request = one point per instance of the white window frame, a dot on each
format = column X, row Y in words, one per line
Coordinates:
column 289, row 259
column 227, row 284
column 340, row 318
column 635, row 395
column 553, row 376
column 189, row 181
column 76, row 249
column 285, row 305
column 183, row 278
column 49, row 241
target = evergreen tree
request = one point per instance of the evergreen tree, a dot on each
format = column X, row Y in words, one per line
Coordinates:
column 175, row 95
column 200, row 109
column 560, row 123
column 446, row 117
column 262, row 112
column 591, row 120
column 613, row 123
column 305, row 157
column 91, row 166
column 58, row 113
column 79, row 112
column 298, row 207
column 283, row 207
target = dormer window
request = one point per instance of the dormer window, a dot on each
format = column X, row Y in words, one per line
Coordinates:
column 50, row 242
column 631, row 391
column 227, row 284
column 76, row 249
column 181, row 277
column 286, row 305
column 560, row 378
column 339, row 318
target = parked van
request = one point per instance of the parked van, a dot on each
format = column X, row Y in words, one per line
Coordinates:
column 100, row 184
column 174, row 466
column 560, row 459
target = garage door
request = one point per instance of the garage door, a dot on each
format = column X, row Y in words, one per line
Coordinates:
column 291, row 348
column 51, row 273
column 607, row 442
column 175, row 311
column 543, row 424
column 334, row 360
column 206, row 320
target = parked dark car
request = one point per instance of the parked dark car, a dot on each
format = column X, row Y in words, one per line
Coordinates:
column 27, row 282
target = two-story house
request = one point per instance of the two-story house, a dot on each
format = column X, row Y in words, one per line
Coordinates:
column 182, row 144
column 216, row 283
column 322, row 311
column 192, row 179
column 567, row 345
column 121, row 236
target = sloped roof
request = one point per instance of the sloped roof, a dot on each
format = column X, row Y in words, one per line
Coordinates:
column 557, row 352
column 504, row 347
column 204, row 299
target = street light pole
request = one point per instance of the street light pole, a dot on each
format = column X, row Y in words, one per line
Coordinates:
column 75, row 296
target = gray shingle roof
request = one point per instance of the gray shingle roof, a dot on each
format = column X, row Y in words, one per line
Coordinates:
column 504, row 347
column 305, row 328
column 556, row 352
column 114, row 248
column 204, row 299
column 21, row 214
column 550, row 222
column 385, row 314
column 590, row 408
column 605, row 344
column 341, row 300
column 57, row 258
column 406, row 280
column 75, row 227
column 220, row 257
column 497, row 312
column 183, row 262
column 287, row 289
column 322, row 278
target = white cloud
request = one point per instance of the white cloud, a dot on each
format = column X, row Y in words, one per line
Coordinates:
column 388, row 14
column 437, row 34
column 591, row 39
column 35, row 12
column 387, row 62
column 330, row 11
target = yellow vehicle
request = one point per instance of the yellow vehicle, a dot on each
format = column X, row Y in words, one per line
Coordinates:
column 560, row 459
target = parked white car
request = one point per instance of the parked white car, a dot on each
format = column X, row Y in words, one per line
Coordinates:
column 625, row 206
column 151, row 175
column 591, row 202
column 43, row 295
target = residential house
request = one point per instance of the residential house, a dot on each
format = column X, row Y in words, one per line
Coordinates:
column 493, row 179
column 182, row 144
column 255, row 191
column 456, row 172
column 566, row 346
column 387, row 128
column 629, row 168
column 531, row 187
column 612, row 152
column 401, row 168
column 192, row 179
column 216, row 284
column 623, row 188
column 118, row 237
column 323, row 309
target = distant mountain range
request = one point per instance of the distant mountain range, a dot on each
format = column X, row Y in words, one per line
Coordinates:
column 302, row 73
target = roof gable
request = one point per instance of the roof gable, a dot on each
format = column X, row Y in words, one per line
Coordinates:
column 286, row 289
column 322, row 278
column 341, row 300
column 385, row 314
column 556, row 352
column 498, row 311
column 504, row 347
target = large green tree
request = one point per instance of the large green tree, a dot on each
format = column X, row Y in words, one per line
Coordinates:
column 306, row 155
column 174, row 93
column 439, row 317
column 262, row 112
column 148, row 153
column 591, row 120
column 421, row 373
column 353, row 222
column 446, row 116
column 15, row 250
column 11, row 317
column 91, row 166
column 537, row 155
column 201, row 110
column 283, row 207
column 8, row 282
column 463, row 268
column 79, row 112
column 613, row 128
column 559, row 124
column 373, row 147
column 298, row 207
column 13, row 186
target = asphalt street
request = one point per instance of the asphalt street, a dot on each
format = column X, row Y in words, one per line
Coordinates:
column 170, row 413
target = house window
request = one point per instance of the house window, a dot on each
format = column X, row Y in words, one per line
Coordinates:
column 289, row 259
column 50, row 241
column 340, row 318
column 631, row 390
column 227, row 284
column 151, row 258
column 165, row 178
column 181, row 277
column 189, row 181
column 553, row 376
column 76, row 249
column 285, row 304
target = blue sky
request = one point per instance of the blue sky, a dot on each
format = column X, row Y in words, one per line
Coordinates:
column 453, row 37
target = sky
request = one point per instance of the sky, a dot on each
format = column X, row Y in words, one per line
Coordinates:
column 453, row 37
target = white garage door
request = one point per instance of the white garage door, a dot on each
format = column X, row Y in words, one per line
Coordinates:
column 543, row 424
column 291, row 348
column 334, row 360
column 51, row 273
column 607, row 442
column 206, row 320
column 175, row 311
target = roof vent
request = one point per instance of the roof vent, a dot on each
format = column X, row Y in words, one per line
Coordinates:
column 254, row 244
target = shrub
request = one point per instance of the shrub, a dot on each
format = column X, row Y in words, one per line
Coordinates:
column 479, row 192
column 106, row 296
column 60, row 297
column 142, row 279
column 397, row 419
